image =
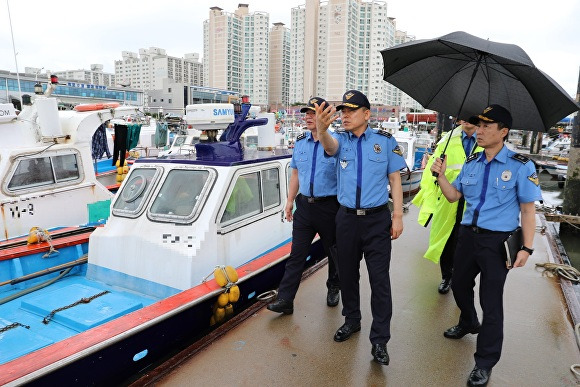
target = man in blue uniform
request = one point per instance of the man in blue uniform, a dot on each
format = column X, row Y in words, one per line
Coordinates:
column 498, row 185
column 313, row 178
column 369, row 160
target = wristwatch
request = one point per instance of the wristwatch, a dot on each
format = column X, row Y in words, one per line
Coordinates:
column 527, row 249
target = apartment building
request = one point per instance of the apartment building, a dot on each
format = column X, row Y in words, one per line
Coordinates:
column 400, row 98
column 147, row 69
column 279, row 66
column 335, row 46
column 236, row 52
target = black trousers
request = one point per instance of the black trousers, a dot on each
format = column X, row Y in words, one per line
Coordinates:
column 310, row 219
column 369, row 235
column 481, row 254
column 448, row 253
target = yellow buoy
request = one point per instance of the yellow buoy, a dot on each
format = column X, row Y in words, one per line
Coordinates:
column 234, row 294
column 232, row 274
column 219, row 314
column 212, row 321
column 229, row 310
column 223, row 299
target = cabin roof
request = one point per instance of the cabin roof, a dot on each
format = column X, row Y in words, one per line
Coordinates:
column 250, row 156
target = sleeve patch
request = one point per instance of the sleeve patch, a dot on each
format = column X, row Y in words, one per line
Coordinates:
column 521, row 158
column 473, row 156
column 398, row 150
column 534, row 178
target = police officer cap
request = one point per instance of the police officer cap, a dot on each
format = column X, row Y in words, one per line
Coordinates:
column 354, row 99
column 310, row 106
column 496, row 113
column 473, row 120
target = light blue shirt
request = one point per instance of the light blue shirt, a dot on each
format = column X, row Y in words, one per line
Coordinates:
column 316, row 169
column 494, row 190
column 468, row 142
column 364, row 165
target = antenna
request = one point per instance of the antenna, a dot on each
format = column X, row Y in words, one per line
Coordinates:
column 14, row 49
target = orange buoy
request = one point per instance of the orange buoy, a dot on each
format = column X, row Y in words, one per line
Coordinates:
column 96, row 106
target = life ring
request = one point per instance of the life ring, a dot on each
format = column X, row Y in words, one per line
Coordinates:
column 96, row 106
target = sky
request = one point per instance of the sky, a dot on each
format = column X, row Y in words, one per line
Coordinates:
column 67, row 35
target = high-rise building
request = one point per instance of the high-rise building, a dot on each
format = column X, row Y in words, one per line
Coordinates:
column 236, row 47
column 400, row 98
column 279, row 71
column 335, row 46
column 147, row 69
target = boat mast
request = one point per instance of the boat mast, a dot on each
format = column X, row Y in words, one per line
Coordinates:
column 14, row 49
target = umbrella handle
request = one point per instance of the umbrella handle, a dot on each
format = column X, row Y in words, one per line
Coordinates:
column 442, row 157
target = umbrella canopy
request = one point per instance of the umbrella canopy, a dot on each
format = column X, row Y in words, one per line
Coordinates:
column 460, row 74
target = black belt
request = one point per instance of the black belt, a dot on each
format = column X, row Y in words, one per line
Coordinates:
column 365, row 211
column 479, row 230
column 314, row 199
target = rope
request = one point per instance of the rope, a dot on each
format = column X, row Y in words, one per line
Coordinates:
column 575, row 367
column 565, row 271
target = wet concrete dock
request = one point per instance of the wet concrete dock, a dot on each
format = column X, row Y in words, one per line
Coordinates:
column 268, row 349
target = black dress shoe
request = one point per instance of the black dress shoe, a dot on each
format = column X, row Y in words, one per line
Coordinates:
column 345, row 331
column 379, row 352
column 457, row 331
column 444, row 286
column 281, row 306
column 332, row 296
column 478, row 377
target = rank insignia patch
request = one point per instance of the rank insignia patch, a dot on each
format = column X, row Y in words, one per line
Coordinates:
column 398, row 150
column 343, row 164
column 534, row 178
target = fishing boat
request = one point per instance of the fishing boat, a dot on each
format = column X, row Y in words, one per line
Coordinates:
column 190, row 241
column 414, row 149
column 47, row 175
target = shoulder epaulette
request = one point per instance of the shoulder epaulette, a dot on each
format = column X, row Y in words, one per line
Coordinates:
column 521, row 158
column 384, row 133
column 301, row 136
column 340, row 130
column 473, row 156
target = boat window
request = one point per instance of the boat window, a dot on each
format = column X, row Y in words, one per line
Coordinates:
column 40, row 172
column 405, row 147
column 179, row 141
column 180, row 195
column 244, row 200
column 130, row 200
column 271, row 187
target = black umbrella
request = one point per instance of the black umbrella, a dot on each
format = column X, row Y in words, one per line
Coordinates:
column 460, row 74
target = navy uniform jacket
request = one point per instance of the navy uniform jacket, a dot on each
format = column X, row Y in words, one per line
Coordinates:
column 316, row 168
column 494, row 190
column 365, row 163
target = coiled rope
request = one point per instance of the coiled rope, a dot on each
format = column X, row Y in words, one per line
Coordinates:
column 557, row 269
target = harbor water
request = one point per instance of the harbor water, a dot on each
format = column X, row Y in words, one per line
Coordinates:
column 553, row 197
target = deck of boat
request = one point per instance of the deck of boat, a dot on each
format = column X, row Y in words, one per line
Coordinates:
column 277, row 350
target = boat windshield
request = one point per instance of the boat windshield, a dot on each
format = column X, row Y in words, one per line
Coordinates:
column 130, row 201
column 180, row 194
column 43, row 172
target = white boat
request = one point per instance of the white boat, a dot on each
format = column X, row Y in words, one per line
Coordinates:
column 414, row 149
column 557, row 146
column 46, row 169
column 148, row 285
